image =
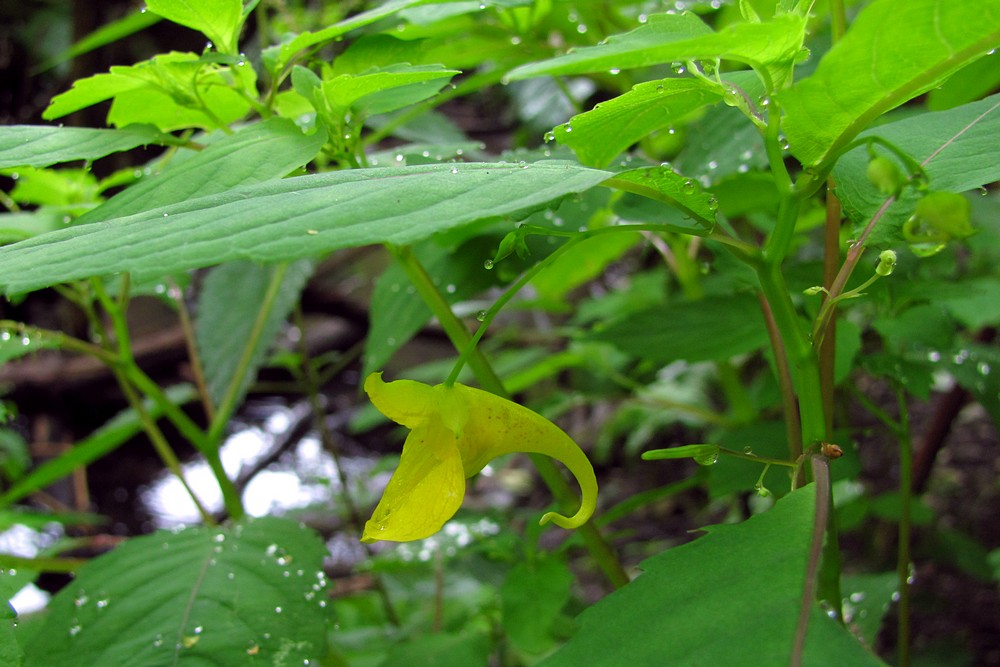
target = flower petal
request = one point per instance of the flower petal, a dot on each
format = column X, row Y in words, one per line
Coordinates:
column 425, row 491
column 495, row 426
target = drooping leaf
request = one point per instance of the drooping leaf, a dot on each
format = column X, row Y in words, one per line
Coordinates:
column 599, row 135
column 219, row 20
column 229, row 307
column 266, row 150
column 292, row 218
column 104, row 440
column 767, row 47
column 254, row 591
column 694, row 331
column 959, row 149
column 666, row 185
column 893, row 51
column 43, row 145
column 691, row 603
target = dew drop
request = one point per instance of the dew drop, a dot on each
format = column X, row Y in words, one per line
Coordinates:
column 277, row 610
column 568, row 128
column 454, row 170
column 713, row 204
column 678, row 68
column 488, row 265
column 689, row 186
column 450, row 288
column 481, row 315
column 74, row 629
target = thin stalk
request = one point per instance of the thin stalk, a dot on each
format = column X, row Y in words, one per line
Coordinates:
column 197, row 369
column 311, row 381
column 790, row 406
column 160, row 444
column 227, row 405
column 821, row 473
column 596, row 544
column 905, row 525
column 831, row 261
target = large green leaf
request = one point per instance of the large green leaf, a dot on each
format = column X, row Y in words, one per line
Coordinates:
column 292, row 218
column 767, row 47
column 716, row 328
column 250, row 592
column 894, row 51
column 959, row 148
column 599, row 135
column 229, row 308
column 43, row 145
column 266, row 150
column 731, row 597
column 219, row 20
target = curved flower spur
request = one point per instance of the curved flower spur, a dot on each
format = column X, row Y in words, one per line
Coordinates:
column 454, row 432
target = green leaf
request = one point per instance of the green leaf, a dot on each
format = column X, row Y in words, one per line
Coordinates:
column 250, row 592
column 599, row 135
column 768, row 47
column 959, row 149
column 867, row 600
column 106, row 34
column 894, row 51
column 263, row 151
column 666, row 185
column 10, row 651
column 691, row 603
column 277, row 58
column 14, row 346
column 292, row 218
column 171, row 91
column 42, row 145
column 387, row 89
column 532, row 596
column 717, row 328
column 228, row 310
column 219, row 20
column 19, row 226
column 104, row 440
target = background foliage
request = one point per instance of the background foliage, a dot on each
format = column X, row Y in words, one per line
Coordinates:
column 744, row 252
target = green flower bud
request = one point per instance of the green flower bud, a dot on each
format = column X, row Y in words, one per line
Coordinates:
column 938, row 218
column 885, row 175
column 886, row 263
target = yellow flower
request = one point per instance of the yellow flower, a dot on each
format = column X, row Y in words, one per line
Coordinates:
column 454, row 432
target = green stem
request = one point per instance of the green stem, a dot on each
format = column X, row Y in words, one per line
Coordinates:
column 224, row 411
column 597, row 545
column 311, row 380
column 905, row 523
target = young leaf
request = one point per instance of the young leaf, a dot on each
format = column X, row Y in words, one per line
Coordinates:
column 387, row 89
column 678, row 612
column 41, row 145
column 219, row 20
column 599, row 135
column 894, row 51
column 292, row 218
column 769, row 47
column 219, row 596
